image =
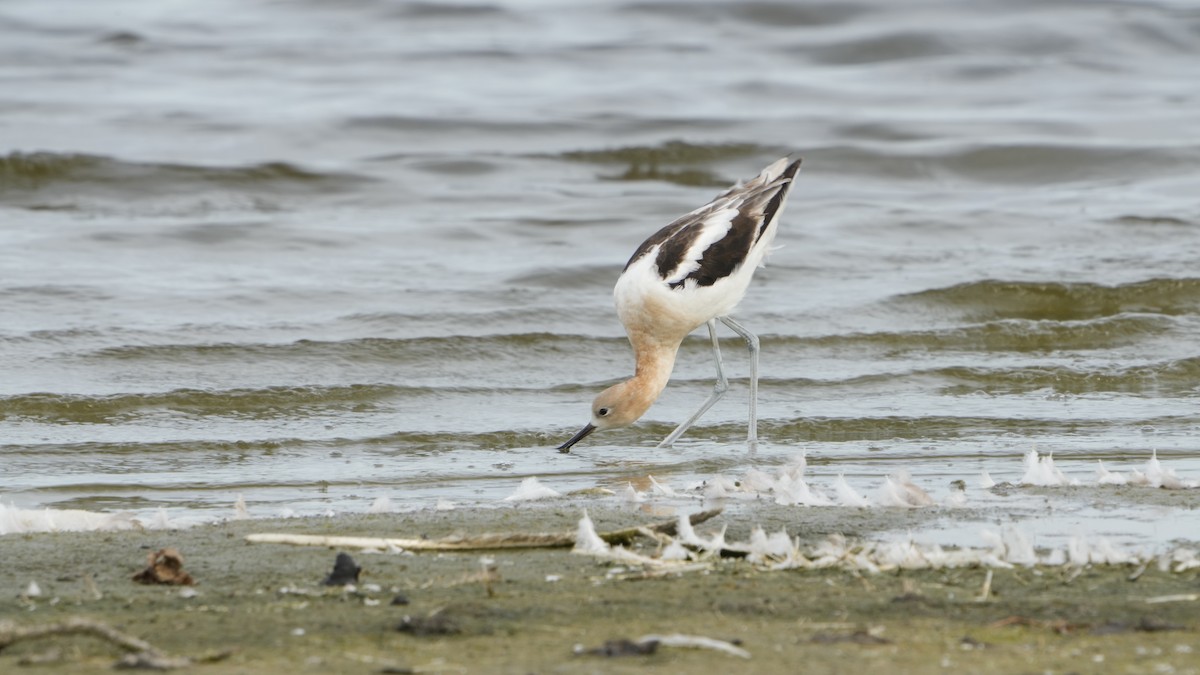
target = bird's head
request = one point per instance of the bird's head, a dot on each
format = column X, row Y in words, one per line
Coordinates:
column 618, row 406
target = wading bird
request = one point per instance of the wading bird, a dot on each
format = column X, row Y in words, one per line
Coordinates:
column 692, row 272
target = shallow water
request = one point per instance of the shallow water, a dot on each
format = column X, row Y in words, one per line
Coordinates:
column 317, row 253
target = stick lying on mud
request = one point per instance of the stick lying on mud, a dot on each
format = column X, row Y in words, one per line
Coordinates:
column 487, row 541
column 648, row 644
column 141, row 654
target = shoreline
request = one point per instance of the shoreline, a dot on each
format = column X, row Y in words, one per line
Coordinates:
column 529, row 610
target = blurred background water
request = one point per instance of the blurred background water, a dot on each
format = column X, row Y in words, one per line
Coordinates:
column 319, row 252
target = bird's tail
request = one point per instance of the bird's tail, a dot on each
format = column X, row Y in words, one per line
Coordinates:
column 782, row 168
column 776, row 182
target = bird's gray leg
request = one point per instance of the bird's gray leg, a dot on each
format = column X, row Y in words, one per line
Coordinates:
column 718, row 390
column 751, row 342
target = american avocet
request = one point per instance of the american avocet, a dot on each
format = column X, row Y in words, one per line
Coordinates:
column 692, row 272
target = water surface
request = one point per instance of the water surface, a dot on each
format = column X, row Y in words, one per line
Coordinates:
column 318, row 253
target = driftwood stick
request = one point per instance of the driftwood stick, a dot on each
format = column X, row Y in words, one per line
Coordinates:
column 140, row 654
column 670, row 527
column 489, row 541
column 10, row 632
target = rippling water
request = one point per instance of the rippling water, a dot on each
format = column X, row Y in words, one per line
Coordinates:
column 316, row 253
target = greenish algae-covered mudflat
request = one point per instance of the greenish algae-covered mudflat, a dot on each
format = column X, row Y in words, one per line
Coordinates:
column 265, row 608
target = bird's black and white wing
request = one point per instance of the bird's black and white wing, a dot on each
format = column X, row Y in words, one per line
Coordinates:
column 716, row 239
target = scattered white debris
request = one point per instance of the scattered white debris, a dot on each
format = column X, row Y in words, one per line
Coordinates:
column 381, row 505
column 531, row 490
column 847, row 495
column 32, row 590
column 588, row 542
column 1161, row 477
column 1005, row 549
column 586, row 539
column 757, row 480
column 1106, row 477
column 630, row 494
column 792, row 489
column 240, row 512
column 899, row 490
column 789, row 486
column 676, row 551
column 661, row 488
column 797, row 464
column 1010, row 546
column 1042, row 472
column 763, row 548
column 14, row 520
column 957, row 499
column 159, row 521
column 1081, row 551
column 687, row 535
column 1180, row 560
column 719, row 487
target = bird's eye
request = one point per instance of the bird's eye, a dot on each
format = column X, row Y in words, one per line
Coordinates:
column 603, row 412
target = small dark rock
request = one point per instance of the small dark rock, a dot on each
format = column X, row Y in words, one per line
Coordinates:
column 400, row 599
column 968, row 643
column 345, row 571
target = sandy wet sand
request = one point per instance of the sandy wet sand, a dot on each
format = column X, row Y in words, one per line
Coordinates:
column 267, row 604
